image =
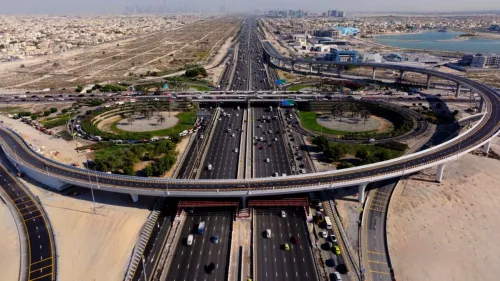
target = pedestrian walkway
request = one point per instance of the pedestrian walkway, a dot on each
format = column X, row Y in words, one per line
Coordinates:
column 241, row 237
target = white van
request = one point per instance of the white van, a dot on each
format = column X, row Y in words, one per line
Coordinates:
column 268, row 233
column 267, row 160
column 189, row 241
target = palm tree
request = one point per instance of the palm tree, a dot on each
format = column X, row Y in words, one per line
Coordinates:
column 161, row 119
column 131, row 118
column 364, row 114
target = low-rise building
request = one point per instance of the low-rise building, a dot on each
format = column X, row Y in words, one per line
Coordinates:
column 481, row 60
column 342, row 55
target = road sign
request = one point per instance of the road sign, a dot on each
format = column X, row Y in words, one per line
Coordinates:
column 280, row 82
column 165, row 86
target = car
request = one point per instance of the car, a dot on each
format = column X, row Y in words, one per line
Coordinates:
column 276, row 174
column 337, row 276
column 283, row 214
column 286, row 247
column 215, row 239
column 271, row 145
column 337, row 250
column 268, row 233
column 209, row 268
column 323, row 234
column 333, row 238
column 261, row 148
column 295, row 240
column 236, row 150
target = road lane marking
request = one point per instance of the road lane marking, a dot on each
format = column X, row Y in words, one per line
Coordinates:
column 41, row 277
column 378, row 253
column 379, row 272
column 379, row 262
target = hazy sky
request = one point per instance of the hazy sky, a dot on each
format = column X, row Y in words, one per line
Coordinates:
column 118, row 6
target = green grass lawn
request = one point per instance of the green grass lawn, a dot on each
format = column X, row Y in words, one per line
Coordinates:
column 308, row 121
column 298, row 87
column 200, row 88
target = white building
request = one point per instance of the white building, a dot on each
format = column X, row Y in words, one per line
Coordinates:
column 372, row 58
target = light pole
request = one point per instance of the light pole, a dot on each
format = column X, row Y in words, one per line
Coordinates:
column 91, row 188
column 144, row 269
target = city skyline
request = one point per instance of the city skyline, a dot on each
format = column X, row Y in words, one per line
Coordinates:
column 119, row 6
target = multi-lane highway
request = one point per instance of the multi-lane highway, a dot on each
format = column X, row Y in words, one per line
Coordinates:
column 270, row 157
column 274, row 262
column 41, row 260
column 190, row 262
column 223, row 152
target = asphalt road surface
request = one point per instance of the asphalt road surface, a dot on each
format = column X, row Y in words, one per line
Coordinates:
column 221, row 152
column 273, row 262
column 189, row 262
column 41, row 262
column 271, row 147
column 376, row 254
column 188, row 163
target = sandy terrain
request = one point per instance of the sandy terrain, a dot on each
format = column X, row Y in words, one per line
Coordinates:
column 94, row 246
column 9, row 245
column 142, row 124
column 122, row 59
column 57, row 149
column 448, row 231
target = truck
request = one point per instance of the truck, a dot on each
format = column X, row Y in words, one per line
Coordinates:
column 201, row 227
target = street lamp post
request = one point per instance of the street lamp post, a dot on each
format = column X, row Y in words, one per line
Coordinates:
column 91, row 188
column 144, row 269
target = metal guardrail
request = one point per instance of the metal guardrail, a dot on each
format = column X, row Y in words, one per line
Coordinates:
column 143, row 239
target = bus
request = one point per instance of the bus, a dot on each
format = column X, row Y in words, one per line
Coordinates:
column 328, row 223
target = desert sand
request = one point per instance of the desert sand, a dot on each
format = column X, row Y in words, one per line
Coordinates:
column 53, row 148
column 449, row 230
column 9, row 245
column 93, row 246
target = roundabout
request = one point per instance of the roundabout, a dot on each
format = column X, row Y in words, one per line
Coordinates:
column 144, row 124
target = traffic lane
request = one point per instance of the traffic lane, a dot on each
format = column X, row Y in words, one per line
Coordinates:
column 189, row 261
column 153, row 247
column 273, row 262
column 274, row 147
column 40, row 258
column 377, row 258
column 221, row 154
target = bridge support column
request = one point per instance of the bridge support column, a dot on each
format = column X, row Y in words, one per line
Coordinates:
column 311, row 68
column 280, row 63
column 135, row 197
column 439, row 172
column 459, row 87
column 428, row 84
column 400, row 78
column 293, row 66
column 481, row 104
column 361, row 192
column 486, row 147
column 373, row 74
column 319, row 68
column 243, row 202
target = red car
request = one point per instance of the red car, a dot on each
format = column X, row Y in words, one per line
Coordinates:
column 261, row 148
column 271, row 145
column 295, row 240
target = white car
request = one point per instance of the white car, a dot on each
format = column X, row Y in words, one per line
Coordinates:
column 283, row 214
column 323, row 234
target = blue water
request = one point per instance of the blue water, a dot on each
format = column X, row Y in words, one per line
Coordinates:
column 433, row 41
